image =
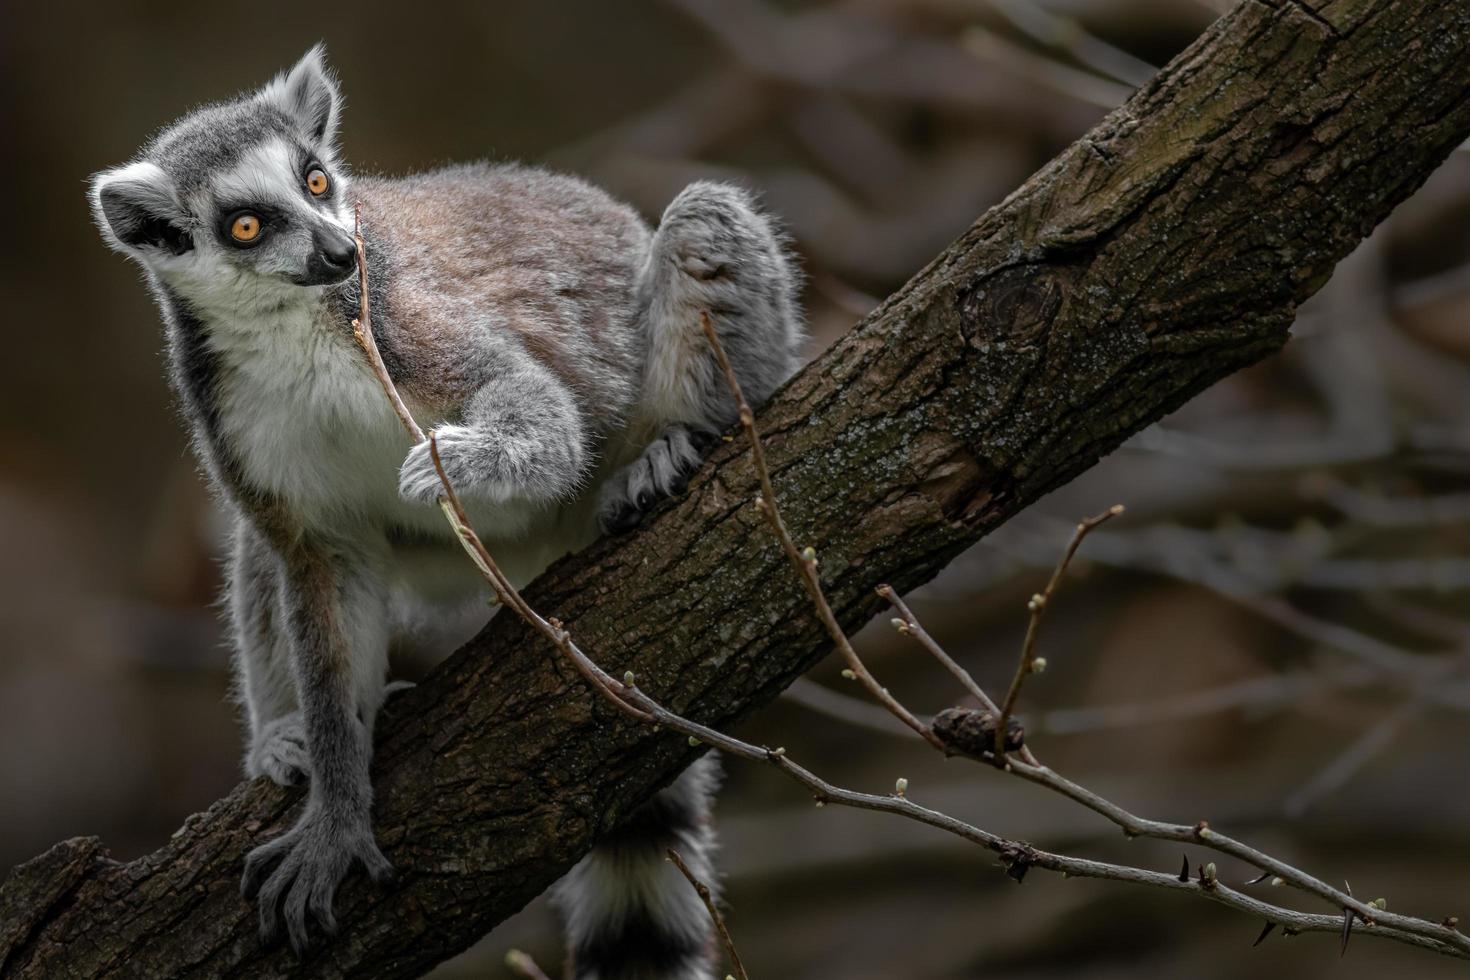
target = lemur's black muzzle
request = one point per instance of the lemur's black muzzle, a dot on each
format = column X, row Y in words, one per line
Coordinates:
column 333, row 257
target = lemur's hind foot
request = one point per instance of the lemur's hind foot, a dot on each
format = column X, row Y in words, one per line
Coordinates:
column 662, row 471
column 279, row 752
column 715, row 253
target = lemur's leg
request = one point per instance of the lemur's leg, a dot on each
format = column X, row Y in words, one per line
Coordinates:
column 336, row 622
column 715, row 252
column 263, row 682
column 277, row 746
column 521, row 436
column 630, row 913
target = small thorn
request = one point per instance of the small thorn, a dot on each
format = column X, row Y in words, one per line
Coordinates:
column 1264, row 933
column 1347, row 930
column 1260, row 878
column 1184, row 869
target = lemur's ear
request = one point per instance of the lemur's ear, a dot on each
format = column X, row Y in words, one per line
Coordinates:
column 308, row 94
column 138, row 212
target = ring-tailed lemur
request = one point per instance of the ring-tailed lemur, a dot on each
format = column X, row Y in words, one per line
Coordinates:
column 553, row 342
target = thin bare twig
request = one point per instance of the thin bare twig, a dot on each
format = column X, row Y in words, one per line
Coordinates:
column 708, row 899
column 1432, row 935
column 1028, row 663
column 850, row 710
column 909, row 625
column 362, row 332
column 805, row 560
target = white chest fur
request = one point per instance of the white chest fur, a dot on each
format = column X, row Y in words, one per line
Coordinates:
column 304, row 414
column 308, row 421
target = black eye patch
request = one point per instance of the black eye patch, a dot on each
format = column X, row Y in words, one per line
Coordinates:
column 272, row 219
column 326, row 193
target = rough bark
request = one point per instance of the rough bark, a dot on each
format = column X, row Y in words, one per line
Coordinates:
column 1164, row 250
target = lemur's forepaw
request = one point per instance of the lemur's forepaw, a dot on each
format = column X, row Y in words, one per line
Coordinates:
column 310, row 860
column 461, row 452
column 279, row 752
column 662, row 471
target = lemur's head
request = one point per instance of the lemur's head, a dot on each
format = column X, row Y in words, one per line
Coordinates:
column 240, row 203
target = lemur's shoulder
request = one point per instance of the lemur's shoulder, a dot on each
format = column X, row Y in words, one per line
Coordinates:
column 492, row 253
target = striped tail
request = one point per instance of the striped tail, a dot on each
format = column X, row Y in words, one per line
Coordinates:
column 630, row 914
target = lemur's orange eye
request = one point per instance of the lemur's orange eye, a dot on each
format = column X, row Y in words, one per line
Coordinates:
column 245, row 228
column 316, row 182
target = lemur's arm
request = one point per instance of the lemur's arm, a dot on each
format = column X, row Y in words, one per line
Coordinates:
column 337, row 637
column 521, row 435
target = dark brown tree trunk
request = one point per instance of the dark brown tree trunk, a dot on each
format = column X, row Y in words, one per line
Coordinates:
column 1164, row 250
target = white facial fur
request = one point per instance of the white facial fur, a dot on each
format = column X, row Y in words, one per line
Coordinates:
column 267, row 178
column 181, row 235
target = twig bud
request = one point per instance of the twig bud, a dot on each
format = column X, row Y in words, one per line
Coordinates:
column 1037, row 603
column 693, row 742
column 779, row 751
column 1379, row 903
column 1277, row 882
column 900, row 786
column 1038, row 665
column 850, row 675
column 628, row 678
column 809, row 553
column 1210, row 873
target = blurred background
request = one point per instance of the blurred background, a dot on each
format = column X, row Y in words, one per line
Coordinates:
column 1274, row 637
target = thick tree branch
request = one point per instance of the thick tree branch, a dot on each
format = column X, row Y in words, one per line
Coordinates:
column 1164, row 250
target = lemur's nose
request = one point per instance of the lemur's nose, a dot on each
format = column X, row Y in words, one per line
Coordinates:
column 337, row 250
